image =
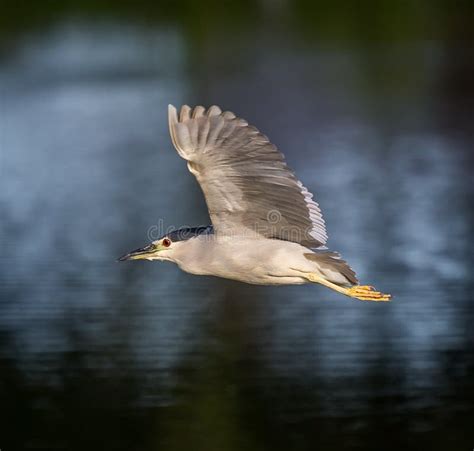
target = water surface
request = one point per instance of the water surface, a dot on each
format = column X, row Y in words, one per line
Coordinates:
column 96, row 354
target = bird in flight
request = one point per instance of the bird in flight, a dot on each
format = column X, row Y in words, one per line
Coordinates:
column 266, row 228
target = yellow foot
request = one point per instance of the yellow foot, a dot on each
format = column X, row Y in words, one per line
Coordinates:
column 367, row 293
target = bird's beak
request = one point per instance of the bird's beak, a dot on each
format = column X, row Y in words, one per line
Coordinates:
column 141, row 253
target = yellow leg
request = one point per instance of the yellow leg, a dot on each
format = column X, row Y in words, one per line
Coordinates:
column 361, row 292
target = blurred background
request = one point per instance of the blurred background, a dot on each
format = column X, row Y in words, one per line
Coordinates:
column 372, row 104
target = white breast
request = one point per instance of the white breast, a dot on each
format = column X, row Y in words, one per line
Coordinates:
column 257, row 261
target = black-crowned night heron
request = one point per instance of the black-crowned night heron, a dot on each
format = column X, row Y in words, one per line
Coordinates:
column 266, row 228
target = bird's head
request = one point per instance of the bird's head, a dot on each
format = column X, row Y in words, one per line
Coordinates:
column 161, row 249
column 168, row 246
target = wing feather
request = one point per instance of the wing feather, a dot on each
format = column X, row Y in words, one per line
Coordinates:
column 247, row 185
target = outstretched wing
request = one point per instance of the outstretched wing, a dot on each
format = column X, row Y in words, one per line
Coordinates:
column 247, row 185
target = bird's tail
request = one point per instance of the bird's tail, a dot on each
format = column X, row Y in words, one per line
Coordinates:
column 333, row 267
column 335, row 273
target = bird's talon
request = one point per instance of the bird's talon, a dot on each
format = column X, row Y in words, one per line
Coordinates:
column 367, row 293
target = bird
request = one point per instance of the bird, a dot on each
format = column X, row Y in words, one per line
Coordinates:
column 266, row 228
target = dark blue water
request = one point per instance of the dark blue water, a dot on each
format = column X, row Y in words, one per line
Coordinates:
column 100, row 355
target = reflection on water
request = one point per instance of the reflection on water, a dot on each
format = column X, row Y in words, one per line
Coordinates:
column 142, row 356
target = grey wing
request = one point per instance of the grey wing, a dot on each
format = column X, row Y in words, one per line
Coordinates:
column 247, row 185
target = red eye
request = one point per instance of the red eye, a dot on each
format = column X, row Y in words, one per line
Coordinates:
column 166, row 242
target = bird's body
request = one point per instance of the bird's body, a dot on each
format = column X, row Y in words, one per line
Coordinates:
column 240, row 258
column 266, row 228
